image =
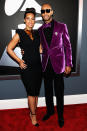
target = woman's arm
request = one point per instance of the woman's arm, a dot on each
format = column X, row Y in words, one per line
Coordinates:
column 10, row 51
column 40, row 49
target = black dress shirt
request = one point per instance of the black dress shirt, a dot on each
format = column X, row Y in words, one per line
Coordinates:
column 48, row 33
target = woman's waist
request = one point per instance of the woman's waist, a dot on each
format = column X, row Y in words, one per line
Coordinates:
column 32, row 60
column 31, row 56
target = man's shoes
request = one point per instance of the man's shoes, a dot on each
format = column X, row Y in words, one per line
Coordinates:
column 47, row 116
column 61, row 122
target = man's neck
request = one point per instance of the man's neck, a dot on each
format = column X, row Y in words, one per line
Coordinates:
column 46, row 22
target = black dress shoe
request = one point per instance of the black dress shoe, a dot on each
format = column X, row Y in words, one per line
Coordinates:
column 31, row 120
column 47, row 116
column 61, row 122
column 36, row 125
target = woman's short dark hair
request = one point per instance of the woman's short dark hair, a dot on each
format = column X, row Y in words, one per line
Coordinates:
column 29, row 10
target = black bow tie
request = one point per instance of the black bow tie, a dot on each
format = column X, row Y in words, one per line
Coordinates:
column 47, row 25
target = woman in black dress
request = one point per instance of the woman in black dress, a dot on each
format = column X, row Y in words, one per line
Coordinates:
column 30, row 64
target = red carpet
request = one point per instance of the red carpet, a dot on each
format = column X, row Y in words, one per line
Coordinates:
column 18, row 120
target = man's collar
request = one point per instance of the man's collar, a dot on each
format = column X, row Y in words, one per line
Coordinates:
column 48, row 25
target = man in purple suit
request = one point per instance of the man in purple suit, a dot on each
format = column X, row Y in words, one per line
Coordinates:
column 56, row 60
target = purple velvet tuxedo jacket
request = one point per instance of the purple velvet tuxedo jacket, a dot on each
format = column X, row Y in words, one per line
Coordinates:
column 60, row 51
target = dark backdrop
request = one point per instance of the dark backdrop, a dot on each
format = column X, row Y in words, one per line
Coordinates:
column 65, row 11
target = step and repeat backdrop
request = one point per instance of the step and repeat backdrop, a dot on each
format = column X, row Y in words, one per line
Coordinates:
column 11, row 18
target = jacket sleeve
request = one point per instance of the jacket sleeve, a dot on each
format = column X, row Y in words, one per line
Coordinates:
column 67, row 47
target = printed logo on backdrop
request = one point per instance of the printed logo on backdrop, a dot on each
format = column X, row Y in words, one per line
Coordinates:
column 14, row 11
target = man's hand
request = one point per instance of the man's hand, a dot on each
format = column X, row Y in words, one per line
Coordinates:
column 67, row 70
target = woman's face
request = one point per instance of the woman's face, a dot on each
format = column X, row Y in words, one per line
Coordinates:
column 29, row 20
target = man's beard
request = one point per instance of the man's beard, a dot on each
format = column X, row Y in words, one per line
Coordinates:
column 45, row 20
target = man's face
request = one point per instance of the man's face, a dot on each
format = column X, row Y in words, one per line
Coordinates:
column 46, row 12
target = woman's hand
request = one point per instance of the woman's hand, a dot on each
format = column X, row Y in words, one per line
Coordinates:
column 22, row 64
column 40, row 49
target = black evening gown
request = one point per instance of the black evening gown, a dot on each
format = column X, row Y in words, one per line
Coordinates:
column 32, row 75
